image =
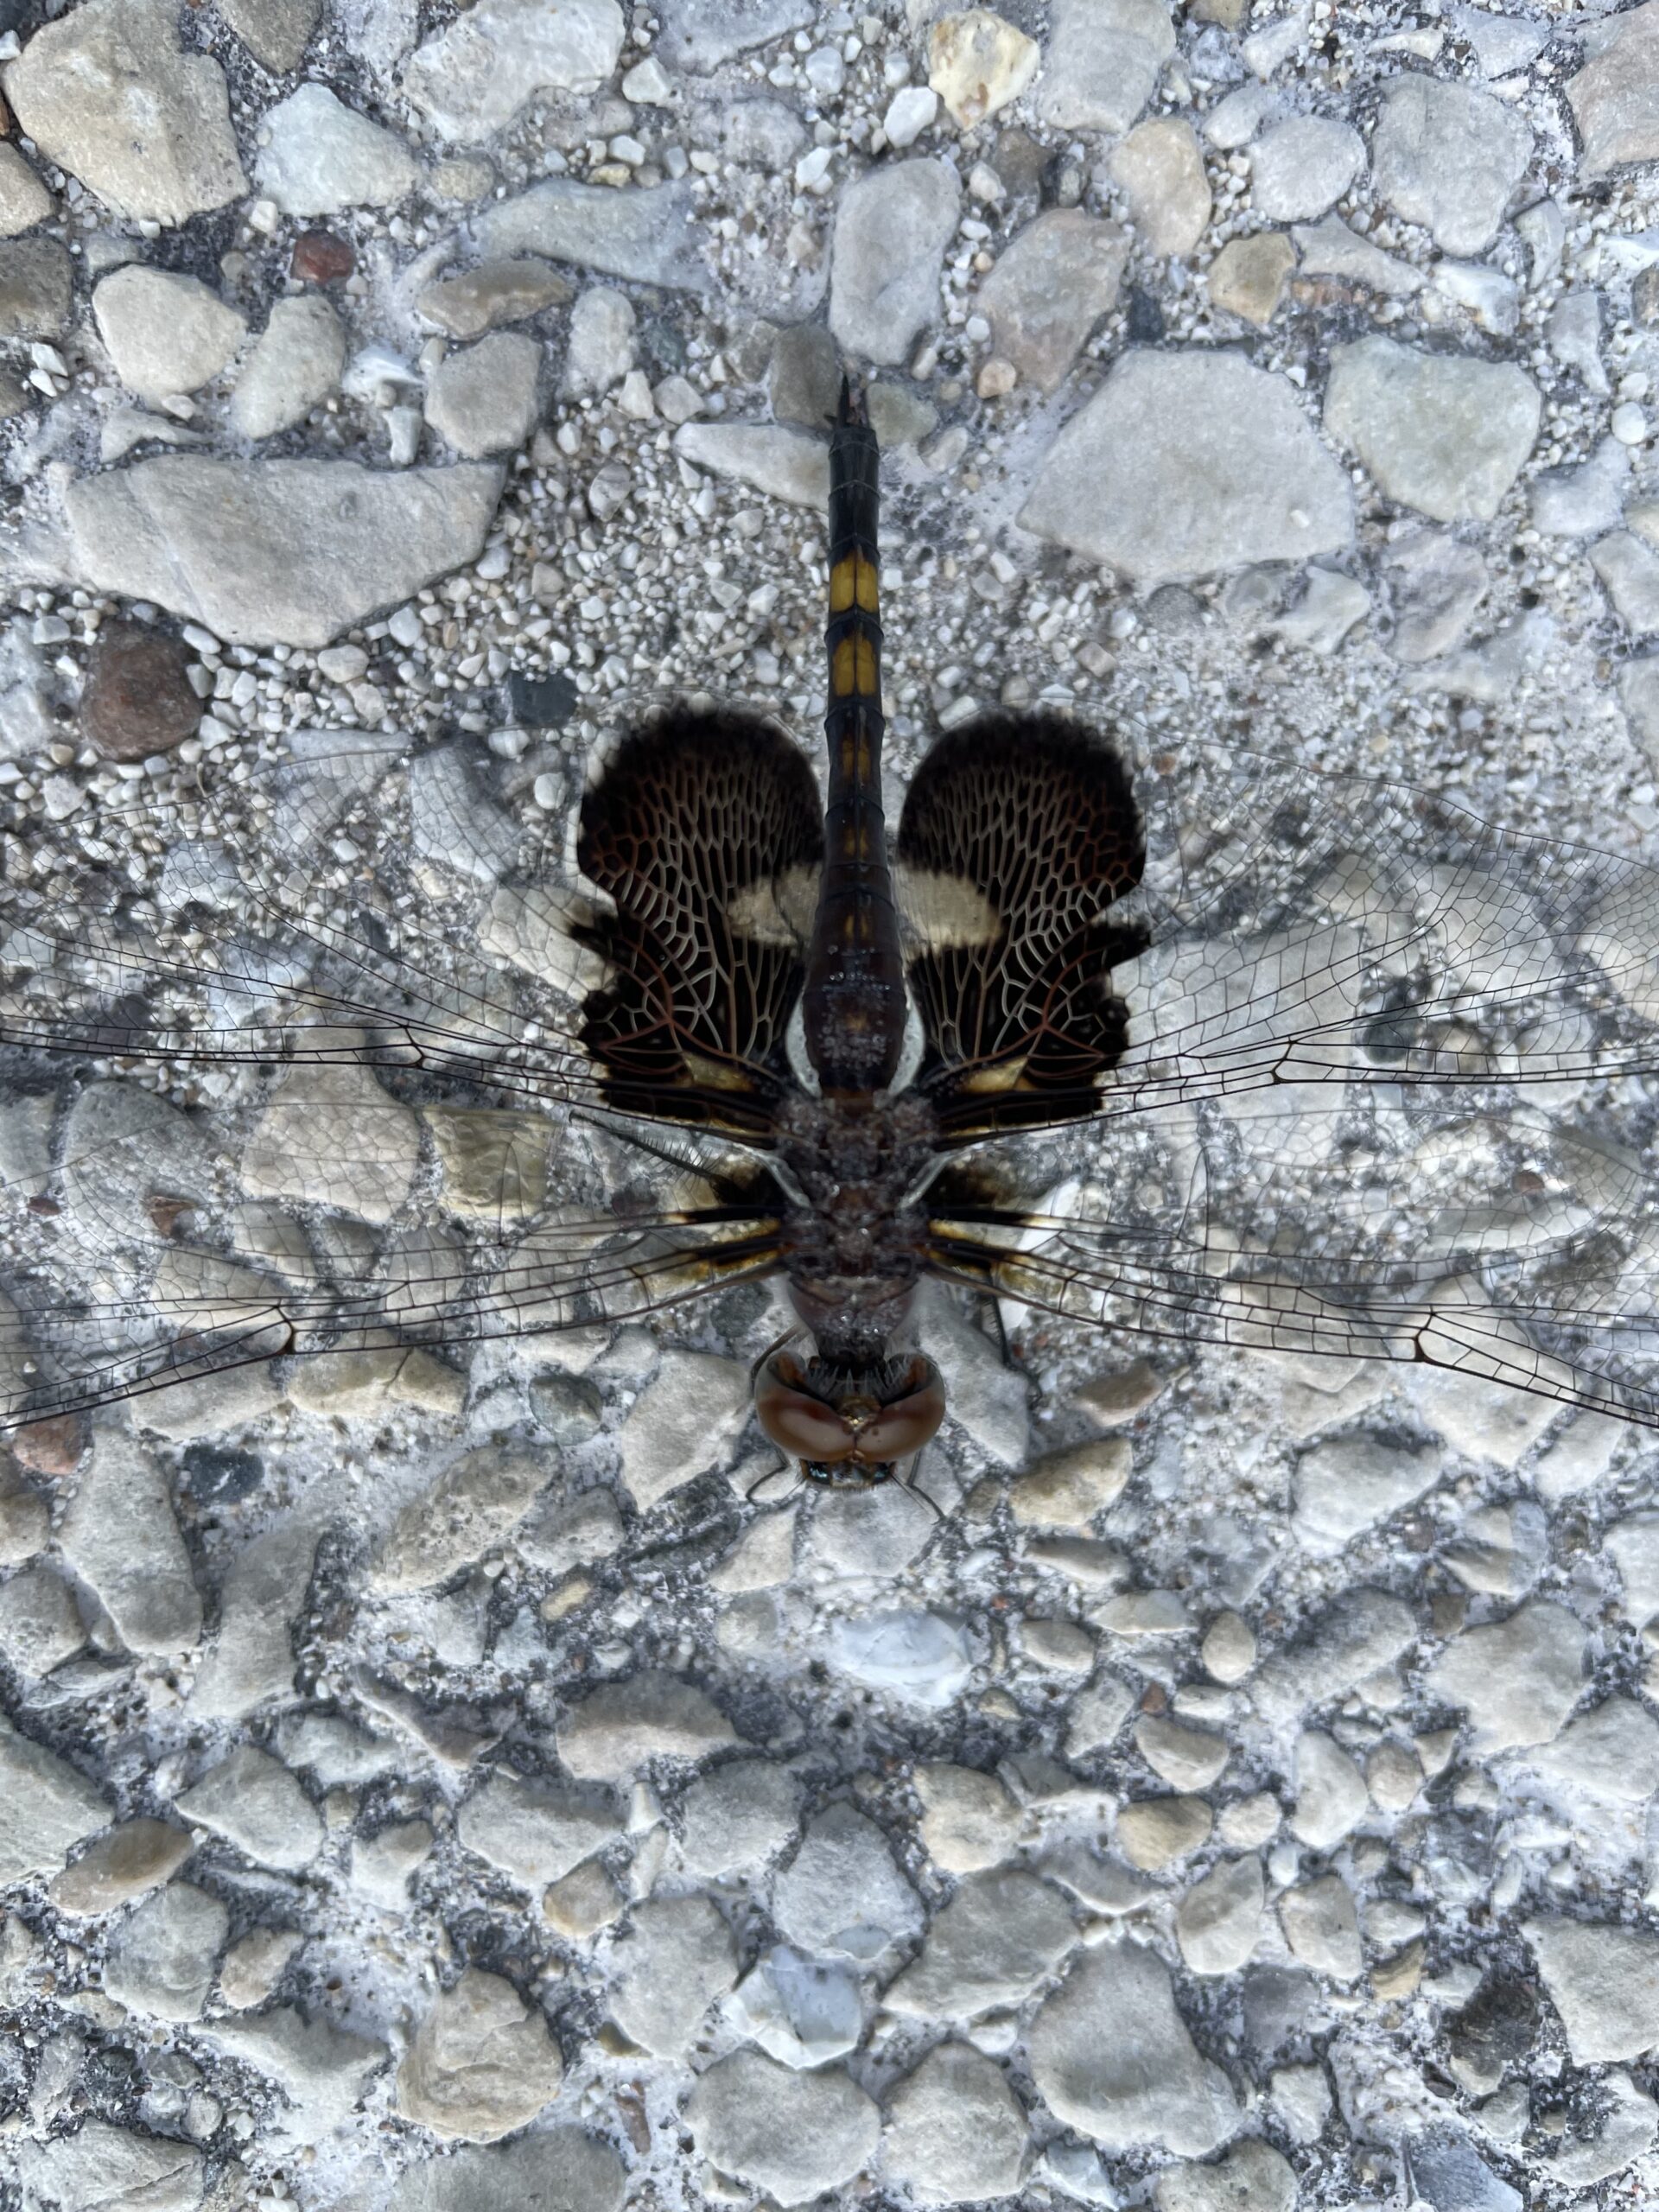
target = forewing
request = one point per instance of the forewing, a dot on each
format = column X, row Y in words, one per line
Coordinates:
column 354, row 906
column 352, row 968
column 1018, row 837
column 703, row 836
column 1330, row 930
column 1387, row 1092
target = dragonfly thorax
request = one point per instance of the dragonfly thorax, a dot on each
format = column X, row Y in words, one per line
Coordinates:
column 854, row 1240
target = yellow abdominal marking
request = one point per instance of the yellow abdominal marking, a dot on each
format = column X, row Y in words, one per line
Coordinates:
column 852, row 671
column 855, row 764
column 853, row 582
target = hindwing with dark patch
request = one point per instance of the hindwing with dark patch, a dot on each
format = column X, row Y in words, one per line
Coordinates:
column 1017, row 835
column 705, row 832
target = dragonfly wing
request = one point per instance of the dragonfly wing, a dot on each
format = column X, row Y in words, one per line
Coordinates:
column 1332, row 929
column 1018, row 835
column 704, row 836
column 1517, row 1251
column 356, row 905
column 83, row 1328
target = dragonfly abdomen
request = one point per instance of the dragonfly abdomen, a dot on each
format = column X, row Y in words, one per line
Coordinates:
column 854, row 1006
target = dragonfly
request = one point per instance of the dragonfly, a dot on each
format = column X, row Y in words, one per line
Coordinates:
column 1195, row 1045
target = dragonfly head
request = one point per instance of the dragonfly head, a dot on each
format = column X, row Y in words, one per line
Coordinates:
column 849, row 1429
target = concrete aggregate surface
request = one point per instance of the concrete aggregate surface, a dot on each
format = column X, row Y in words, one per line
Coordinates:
column 469, row 1778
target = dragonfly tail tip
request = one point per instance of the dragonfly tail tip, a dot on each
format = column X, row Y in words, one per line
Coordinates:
column 850, row 410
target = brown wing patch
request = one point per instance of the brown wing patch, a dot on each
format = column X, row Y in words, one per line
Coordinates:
column 698, row 832
column 1017, row 835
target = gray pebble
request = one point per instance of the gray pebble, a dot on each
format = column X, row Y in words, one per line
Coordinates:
column 892, row 229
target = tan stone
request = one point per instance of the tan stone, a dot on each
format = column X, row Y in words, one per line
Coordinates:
column 1249, row 276
column 494, row 293
column 482, row 2064
column 1188, row 1759
column 138, row 1856
column 1066, row 1489
column 494, row 1164
column 1394, row 1775
column 252, row 1968
column 1060, row 1646
column 108, row 92
column 1159, row 168
column 968, row 1820
column 585, row 1900
column 1398, row 1977
column 360, row 1384
column 1113, row 1400
column 1049, row 288
column 1229, row 1648
column 24, row 200
column 977, row 63
column 1156, row 1832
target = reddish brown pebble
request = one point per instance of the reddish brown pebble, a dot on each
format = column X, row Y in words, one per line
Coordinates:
column 51, row 1448
column 138, row 699
column 168, row 1213
column 320, row 257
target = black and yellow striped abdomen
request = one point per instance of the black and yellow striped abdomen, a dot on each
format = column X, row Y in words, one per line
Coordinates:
column 854, row 1004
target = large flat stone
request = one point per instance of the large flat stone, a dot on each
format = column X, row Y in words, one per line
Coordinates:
column 474, row 76
column 1102, row 61
column 646, row 236
column 1444, row 434
column 892, row 230
column 104, row 2168
column 120, row 1535
column 556, row 2170
column 793, row 2134
column 277, row 552
column 1050, row 287
column 1615, row 96
column 1604, row 1981
column 1449, row 157
column 1183, row 465
column 1111, row 2057
column 107, row 93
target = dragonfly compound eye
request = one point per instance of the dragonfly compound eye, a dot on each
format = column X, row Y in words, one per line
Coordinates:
column 796, row 1421
column 903, row 1425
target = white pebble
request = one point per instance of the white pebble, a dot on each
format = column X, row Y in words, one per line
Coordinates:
column 1629, row 424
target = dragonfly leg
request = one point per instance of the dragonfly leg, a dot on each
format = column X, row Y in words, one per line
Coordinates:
column 908, row 1482
column 770, row 1475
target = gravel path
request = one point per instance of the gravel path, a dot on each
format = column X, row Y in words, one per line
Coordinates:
column 430, row 1783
